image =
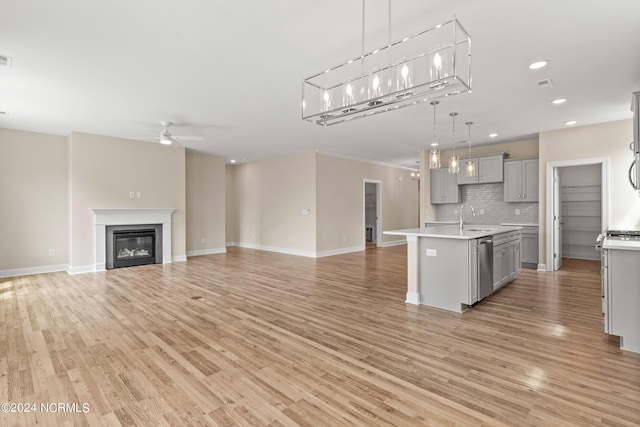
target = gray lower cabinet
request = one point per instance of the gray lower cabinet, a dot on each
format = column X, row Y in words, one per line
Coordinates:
column 444, row 187
column 529, row 252
column 621, row 294
column 521, row 180
column 506, row 257
column 489, row 169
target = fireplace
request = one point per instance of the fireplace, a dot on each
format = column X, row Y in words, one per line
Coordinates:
column 131, row 245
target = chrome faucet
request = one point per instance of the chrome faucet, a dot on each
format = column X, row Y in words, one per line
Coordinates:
column 473, row 212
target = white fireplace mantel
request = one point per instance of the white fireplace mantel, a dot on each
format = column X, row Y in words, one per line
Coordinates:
column 130, row 216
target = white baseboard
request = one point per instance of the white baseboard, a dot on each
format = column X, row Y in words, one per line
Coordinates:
column 340, row 251
column 276, row 249
column 179, row 258
column 542, row 267
column 207, row 252
column 413, row 298
column 33, row 270
column 232, row 244
column 82, row 269
column 393, row 243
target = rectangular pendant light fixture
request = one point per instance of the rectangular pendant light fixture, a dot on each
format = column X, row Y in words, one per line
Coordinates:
column 431, row 64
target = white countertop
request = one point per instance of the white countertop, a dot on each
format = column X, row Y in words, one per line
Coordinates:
column 516, row 224
column 470, row 231
column 626, row 245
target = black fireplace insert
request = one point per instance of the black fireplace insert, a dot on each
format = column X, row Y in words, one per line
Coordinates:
column 129, row 245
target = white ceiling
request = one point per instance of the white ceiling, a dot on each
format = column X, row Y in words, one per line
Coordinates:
column 231, row 71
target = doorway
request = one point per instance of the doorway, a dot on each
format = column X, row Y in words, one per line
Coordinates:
column 576, row 211
column 372, row 212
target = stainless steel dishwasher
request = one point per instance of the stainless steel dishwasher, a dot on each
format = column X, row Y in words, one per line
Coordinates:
column 485, row 267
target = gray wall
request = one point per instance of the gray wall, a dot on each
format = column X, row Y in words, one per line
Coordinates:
column 489, row 197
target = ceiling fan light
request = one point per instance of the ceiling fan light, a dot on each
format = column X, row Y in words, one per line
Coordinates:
column 165, row 141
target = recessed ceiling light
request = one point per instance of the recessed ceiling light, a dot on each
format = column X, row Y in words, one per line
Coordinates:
column 434, row 144
column 570, row 123
column 537, row 65
column 232, row 161
column 493, row 135
column 559, row 101
column 5, row 61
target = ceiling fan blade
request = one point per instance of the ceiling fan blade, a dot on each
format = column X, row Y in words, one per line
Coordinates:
column 150, row 138
column 188, row 138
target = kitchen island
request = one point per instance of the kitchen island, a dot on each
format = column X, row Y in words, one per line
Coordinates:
column 453, row 268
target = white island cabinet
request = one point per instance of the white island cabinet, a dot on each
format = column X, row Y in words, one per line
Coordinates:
column 443, row 264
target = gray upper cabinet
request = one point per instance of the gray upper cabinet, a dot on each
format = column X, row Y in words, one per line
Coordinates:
column 444, row 187
column 489, row 169
column 521, row 180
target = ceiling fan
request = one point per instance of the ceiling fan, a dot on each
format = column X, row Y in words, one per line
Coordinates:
column 167, row 138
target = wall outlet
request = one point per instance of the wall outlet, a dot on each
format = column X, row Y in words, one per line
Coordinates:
column 517, row 212
column 139, row 195
column 455, row 211
column 52, row 252
column 202, row 240
column 432, row 252
column 306, row 211
column 132, row 194
column 344, row 238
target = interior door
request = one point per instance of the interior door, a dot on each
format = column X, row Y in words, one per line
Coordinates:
column 557, row 221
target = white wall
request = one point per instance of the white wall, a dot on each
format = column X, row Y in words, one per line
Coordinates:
column 341, row 196
column 104, row 170
column 605, row 140
column 270, row 196
column 33, row 202
column 205, row 204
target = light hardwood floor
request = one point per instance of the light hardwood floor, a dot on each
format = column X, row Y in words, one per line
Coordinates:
column 257, row 338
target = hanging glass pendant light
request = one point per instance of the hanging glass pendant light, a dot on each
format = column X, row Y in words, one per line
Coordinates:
column 454, row 162
column 415, row 174
column 434, row 154
column 470, row 166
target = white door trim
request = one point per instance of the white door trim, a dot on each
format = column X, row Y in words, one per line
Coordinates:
column 551, row 166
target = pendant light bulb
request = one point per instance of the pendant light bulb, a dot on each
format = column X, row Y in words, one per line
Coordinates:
column 434, row 154
column 454, row 162
column 470, row 166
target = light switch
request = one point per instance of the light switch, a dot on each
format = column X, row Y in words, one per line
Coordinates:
column 517, row 211
column 132, row 194
column 432, row 252
column 306, row 211
column 139, row 195
column 481, row 211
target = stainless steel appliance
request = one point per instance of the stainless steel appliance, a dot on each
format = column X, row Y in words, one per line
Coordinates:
column 485, row 267
column 632, row 235
column 634, row 170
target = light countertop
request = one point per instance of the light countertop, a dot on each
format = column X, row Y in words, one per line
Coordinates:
column 516, row 224
column 626, row 245
column 470, row 231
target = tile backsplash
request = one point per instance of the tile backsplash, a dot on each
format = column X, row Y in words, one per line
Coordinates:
column 490, row 198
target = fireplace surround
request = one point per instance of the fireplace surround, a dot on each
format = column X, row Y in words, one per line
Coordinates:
column 135, row 218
